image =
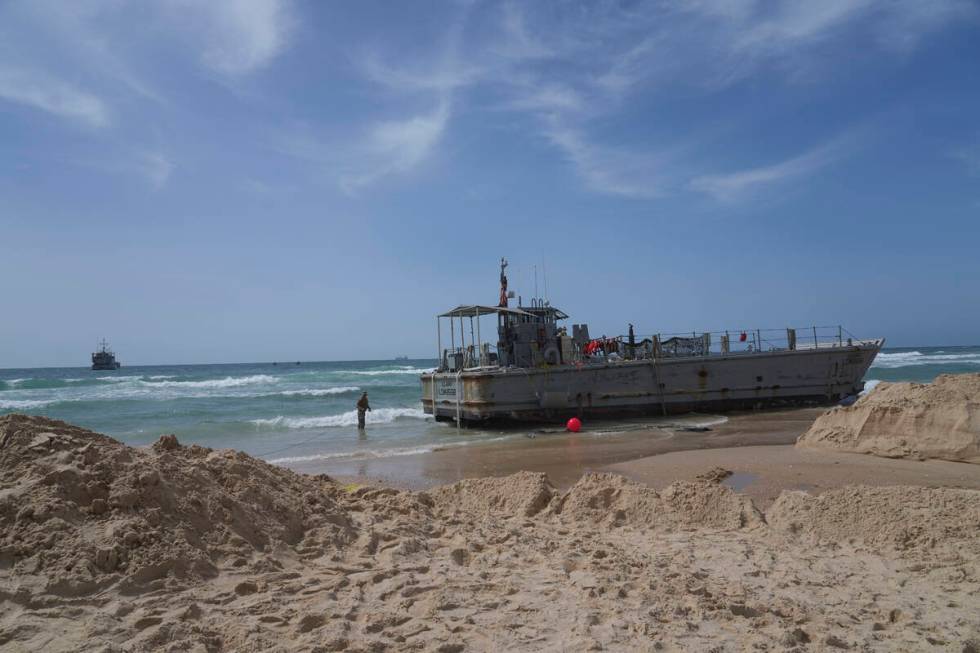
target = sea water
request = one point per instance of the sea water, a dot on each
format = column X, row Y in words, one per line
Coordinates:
column 305, row 412
column 922, row 364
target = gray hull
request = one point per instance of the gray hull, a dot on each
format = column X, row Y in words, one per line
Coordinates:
column 661, row 386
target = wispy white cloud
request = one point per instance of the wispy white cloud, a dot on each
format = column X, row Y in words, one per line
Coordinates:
column 795, row 23
column 575, row 76
column 443, row 75
column 241, row 36
column 82, row 35
column 396, row 146
column 516, row 42
column 57, row 97
column 156, row 168
column 791, row 34
column 546, row 97
column 610, row 170
column 384, row 149
column 577, row 71
column 718, row 44
column 910, row 21
column 122, row 160
column 626, row 69
column 736, row 185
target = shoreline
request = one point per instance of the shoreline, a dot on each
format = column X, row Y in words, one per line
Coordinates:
column 756, row 447
column 563, row 456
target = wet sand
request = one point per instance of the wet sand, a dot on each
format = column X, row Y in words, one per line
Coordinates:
column 564, row 457
column 763, row 472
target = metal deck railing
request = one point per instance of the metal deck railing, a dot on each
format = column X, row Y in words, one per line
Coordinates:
column 688, row 344
column 732, row 341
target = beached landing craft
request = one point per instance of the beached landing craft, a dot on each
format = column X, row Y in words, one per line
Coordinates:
column 536, row 371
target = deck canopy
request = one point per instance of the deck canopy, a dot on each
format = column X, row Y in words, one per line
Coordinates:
column 477, row 310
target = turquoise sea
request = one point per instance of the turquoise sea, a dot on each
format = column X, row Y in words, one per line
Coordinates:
column 297, row 412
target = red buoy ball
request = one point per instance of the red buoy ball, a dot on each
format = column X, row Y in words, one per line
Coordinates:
column 574, row 425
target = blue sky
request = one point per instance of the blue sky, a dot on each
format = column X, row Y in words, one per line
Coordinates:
column 275, row 180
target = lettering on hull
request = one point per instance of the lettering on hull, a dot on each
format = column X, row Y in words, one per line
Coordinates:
column 446, row 388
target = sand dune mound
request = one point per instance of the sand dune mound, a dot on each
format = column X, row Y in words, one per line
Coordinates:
column 599, row 500
column 898, row 516
column 524, row 494
column 906, row 420
column 614, row 500
column 80, row 511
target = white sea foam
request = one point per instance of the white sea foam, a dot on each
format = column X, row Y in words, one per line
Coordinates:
column 383, row 453
column 401, row 370
column 913, row 358
column 157, row 377
column 368, row 453
column 321, row 392
column 869, row 385
column 23, row 403
column 376, row 416
column 953, row 357
column 700, row 421
column 15, row 381
column 227, row 382
column 899, row 354
column 114, row 379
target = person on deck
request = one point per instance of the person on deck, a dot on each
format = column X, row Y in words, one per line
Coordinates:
column 362, row 407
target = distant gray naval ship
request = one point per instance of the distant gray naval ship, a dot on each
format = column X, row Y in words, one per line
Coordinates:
column 536, row 371
column 104, row 359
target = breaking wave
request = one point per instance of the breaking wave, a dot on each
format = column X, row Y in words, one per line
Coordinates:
column 227, row 382
column 376, row 416
column 911, row 358
column 35, row 383
column 20, row 404
column 869, row 385
column 400, row 370
column 321, row 392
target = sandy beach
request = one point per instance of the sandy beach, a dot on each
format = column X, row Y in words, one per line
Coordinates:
column 763, row 531
column 723, row 540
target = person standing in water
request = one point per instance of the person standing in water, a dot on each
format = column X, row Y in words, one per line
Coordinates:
column 362, row 407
